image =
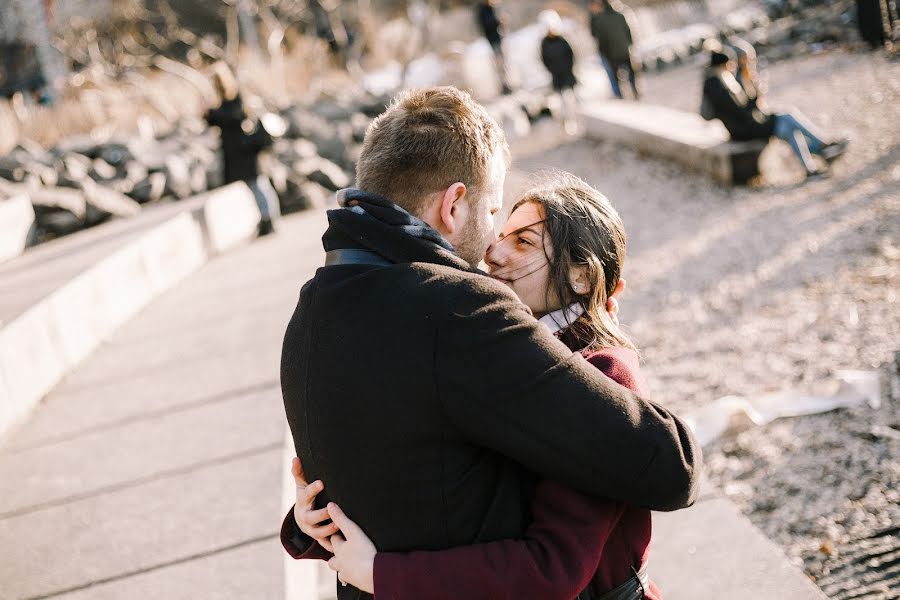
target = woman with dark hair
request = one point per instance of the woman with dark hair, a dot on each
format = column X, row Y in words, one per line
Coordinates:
column 562, row 252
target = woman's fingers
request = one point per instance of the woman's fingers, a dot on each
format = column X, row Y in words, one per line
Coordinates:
column 312, row 490
column 315, row 517
column 297, row 471
column 345, row 524
column 322, row 533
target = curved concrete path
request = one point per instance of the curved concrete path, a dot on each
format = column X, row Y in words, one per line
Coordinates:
column 155, row 468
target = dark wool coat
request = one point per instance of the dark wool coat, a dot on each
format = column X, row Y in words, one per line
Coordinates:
column 738, row 112
column 429, row 400
column 557, row 56
column 612, row 34
column 240, row 150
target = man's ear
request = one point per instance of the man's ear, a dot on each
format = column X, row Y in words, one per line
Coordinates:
column 450, row 206
column 578, row 280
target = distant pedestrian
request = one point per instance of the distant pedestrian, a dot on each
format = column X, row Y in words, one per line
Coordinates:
column 490, row 18
column 558, row 57
column 875, row 19
column 614, row 40
column 242, row 141
column 726, row 100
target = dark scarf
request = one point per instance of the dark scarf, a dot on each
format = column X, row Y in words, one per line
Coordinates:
column 372, row 222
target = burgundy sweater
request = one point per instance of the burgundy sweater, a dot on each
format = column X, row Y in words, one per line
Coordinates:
column 575, row 541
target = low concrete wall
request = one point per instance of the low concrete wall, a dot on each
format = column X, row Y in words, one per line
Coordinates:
column 16, row 224
column 39, row 346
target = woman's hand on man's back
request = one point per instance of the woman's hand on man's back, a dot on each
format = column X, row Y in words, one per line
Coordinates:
column 316, row 524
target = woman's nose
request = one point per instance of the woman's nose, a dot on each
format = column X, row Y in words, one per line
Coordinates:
column 494, row 256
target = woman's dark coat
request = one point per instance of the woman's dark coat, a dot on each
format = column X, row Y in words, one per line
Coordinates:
column 731, row 105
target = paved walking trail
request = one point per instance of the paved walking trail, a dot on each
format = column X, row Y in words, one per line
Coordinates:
column 156, row 468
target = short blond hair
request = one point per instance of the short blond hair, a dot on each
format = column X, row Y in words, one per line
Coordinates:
column 427, row 140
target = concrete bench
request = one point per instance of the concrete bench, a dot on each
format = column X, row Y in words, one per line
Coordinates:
column 699, row 145
column 59, row 300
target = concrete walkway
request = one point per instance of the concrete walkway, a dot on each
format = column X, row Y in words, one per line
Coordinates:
column 157, row 468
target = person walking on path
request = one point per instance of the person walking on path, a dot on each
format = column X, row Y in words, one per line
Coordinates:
column 725, row 99
column 422, row 390
column 559, row 59
column 242, row 141
column 613, row 36
column 576, row 544
column 490, row 19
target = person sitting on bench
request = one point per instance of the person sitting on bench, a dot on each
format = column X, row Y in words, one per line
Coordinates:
column 725, row 99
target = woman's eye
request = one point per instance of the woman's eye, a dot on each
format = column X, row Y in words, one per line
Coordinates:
column 525, row 242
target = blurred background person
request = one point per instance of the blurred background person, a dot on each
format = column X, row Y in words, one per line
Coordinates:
column 725, row 99
column 559, row 59
column 490, row 19
column 875, row 20
column 242, row 141
column 613, row 36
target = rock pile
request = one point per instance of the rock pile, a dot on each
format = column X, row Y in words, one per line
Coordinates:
column 83, row 181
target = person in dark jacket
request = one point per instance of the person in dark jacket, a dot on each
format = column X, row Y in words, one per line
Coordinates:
column 614, row 40
column 423, row 391
column 559, row 59
column 725, row 99
column 575, row 543
column 490, row 18
column 242, row 142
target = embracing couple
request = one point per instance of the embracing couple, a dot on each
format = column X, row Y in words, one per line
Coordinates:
column 465, row 434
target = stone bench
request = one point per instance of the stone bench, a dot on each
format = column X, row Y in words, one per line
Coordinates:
column 59, row 300
column 686, row 138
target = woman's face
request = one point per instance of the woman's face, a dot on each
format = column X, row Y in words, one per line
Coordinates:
column 519, row 259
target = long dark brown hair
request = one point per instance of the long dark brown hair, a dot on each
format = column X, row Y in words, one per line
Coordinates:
column 584, row 230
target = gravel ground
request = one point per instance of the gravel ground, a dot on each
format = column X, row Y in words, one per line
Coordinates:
column 752, row 290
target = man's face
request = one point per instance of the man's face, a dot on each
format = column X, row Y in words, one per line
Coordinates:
column 477, row 232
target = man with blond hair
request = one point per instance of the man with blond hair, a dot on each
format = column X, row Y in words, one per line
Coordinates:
column 422, row 393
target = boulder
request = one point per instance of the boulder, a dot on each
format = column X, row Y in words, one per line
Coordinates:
column 178, row 176
column 149, row 189
column 302, row 195
column 107, row 202
column 322, row 171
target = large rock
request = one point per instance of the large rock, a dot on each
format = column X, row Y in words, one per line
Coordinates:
column 58, row 211
column 108, row 202
column 302, row 195
column 322, row 171
column 150, row 189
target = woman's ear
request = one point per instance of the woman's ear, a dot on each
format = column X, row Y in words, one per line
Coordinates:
column 450, row 207
column 620, row 287
column 578, row 280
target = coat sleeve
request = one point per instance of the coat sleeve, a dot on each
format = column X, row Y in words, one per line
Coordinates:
column 556, row 558
column 507, row 384
column 298, row 544
column 554, row 561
